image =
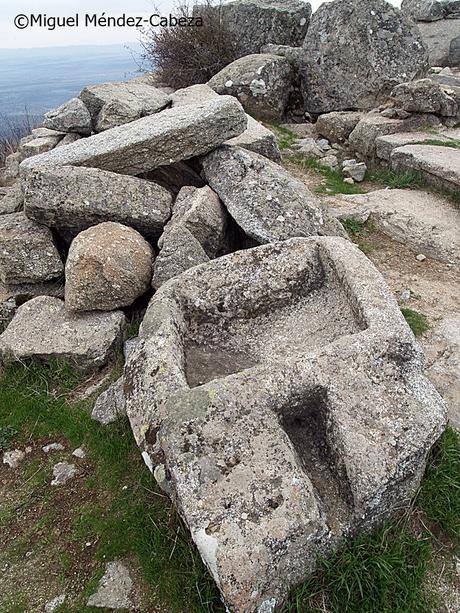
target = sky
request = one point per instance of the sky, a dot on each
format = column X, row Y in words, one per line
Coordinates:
column 30, row 37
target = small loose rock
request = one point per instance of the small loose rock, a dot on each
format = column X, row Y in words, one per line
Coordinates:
column 63, row 472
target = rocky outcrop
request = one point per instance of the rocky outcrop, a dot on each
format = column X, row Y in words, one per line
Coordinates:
column 43, row 329
column 266, row 201
column 254, row 23
column 426, row 222
column 27, row 251
column 261, row 82
column 388, row 45
column 71, row 199
column 160, row 140
column 108, row 266
column 259, row 392
column 116, row 103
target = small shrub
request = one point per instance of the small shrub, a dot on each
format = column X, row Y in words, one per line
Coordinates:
column 184, row 56
column 418, row 322
column 12, row 132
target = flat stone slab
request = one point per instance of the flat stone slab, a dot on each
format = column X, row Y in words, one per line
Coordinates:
column 43, row 329
column 150, row 142
column 72, row 199
column 439, row 165
column 384, row 145
column 424, row 221
column 277, row 393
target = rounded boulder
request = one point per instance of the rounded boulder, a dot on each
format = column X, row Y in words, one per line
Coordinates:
column 108, row 266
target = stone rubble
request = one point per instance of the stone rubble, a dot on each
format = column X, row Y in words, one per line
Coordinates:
column 62, row 473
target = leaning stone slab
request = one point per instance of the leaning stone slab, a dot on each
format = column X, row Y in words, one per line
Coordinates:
column 38, row 145
column 148, row 143
column 259, row 139
column 440, row 166
column 27, row 251
column 265, row 200
column 194, row 94
column 116, row 103
column 71, row 199
column 12, row 200
column 280, row 394
column 43, row 329
column 424, row 221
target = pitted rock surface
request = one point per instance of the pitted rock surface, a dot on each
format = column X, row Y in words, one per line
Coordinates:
column 388, row 44
column 263, row 198
column 278, row 394
column 43, row 329
column 72, row 199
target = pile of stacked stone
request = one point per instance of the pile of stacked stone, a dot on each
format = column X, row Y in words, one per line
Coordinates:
column 275, row 390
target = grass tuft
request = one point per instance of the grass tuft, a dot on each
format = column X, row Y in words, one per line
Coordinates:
column 379, row 573
column 452, row 143
column 7, row 434
column 418, row 322
column 358, row 231
column 439, row 496
column 285, row 137
column 397, row 180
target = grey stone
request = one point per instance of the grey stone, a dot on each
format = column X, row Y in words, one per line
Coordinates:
column 282, row 391
column 129, row 345
column 7, row 310
column 180, row 251
column 195, row 94
column 261, row 82
column 68, row 139
column 302, row 130
column 54, row 604
column 27, row 251
column 442, row 39
column 11, row 170
column 442, row 350
column 63, row 472
column 108, row 266
column 254, row 23
column 38, row 145
column 426, row 222
column 111, row 404
column 259, row 139
column 355, row 170
column 13, row 458
column 356, row 51
column 384, row 145
column 424, row 96
column 43, row 329
column 295, row 55
column 431, row 10
column 114, row 588
column 71, row 199
column 338, row 126
column 72, row 116
column 362, row 139
column 266, row 201
column 309, row 148
column 329, row 161
column 53, row 447
column 117, row 103
column 21, row 292
column 43, row 132
column 12, row 200
column 148, row 143
column 79, row 453
column 440, row 166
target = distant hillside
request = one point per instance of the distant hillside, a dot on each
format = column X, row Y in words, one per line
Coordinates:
column 36, row 80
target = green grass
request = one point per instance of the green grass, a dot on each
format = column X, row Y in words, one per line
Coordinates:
column 359, row 231
column 285, row 137
column 439, row 496
column 137, row 521
column 397, row 180
column 452, row 143
column 418, row 322
column 7, row 434
column 333, row 180
column 379, row 573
